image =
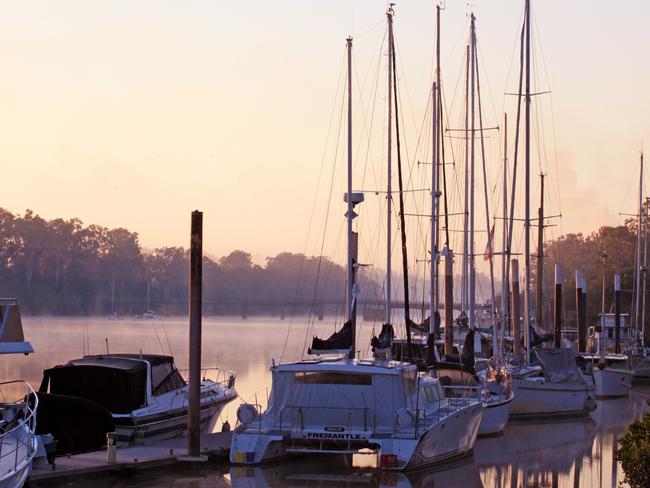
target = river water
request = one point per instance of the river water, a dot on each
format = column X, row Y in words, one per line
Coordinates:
column 571, row 453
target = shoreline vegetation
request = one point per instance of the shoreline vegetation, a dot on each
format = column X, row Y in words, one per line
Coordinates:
column 65, row 268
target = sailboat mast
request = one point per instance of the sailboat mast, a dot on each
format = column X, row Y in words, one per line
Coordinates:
column 389, row 191
column 638, row 251
column 466, row 212
column 645, row 270
column 441, row 142
column 472, row 267
column 435, row 195
column 350, row 212
column 505, row 256
column 527, row 196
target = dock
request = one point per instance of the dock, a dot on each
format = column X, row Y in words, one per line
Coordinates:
column 147, row 457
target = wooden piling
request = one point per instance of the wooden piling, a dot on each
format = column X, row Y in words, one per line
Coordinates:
column 580, row 325
column 196, row 285
column 617, row 314
column 557, row 314
column 449, row 302
column 516, row 311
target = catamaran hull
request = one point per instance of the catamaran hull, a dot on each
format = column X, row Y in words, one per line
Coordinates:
column 495, row 417
column 453, row 436
column 537, row 398
column 612, row 383
column 16, row 465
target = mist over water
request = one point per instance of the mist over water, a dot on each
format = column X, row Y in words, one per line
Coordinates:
column 578, row 452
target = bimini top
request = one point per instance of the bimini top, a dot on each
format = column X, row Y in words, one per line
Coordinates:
column 118, row 382
column 370, row 366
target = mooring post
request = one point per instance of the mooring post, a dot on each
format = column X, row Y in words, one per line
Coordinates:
column 579, row 325
column 449, row 301
column 583, row 314
column 558, row 306
column 515, row 310
column 196, row 289
column 617, row 313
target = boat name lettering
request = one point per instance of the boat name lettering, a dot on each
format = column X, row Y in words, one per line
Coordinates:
column 345, row 436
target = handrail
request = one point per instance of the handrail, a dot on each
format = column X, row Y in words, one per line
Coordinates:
column 364, row 411
column 29, row 421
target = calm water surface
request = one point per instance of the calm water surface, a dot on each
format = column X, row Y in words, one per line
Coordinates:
column 554, row 454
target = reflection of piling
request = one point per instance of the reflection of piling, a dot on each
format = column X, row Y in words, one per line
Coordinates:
column 617, row 314
column 449, row 302
column 557, row 314
column 321, row 311
column 515, row 310
column 282, row 314
column 244, row 312
column 580, row 325
column 196, row 282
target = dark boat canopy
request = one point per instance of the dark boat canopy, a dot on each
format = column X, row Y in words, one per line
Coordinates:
column 117, row 382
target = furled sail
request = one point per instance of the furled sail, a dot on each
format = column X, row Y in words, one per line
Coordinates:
column 340, row 340
column 385, row 339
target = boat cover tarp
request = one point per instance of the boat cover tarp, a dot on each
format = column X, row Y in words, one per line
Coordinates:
column 116, row 383
column 341, row 339
column 385, row 338
column 558, row 365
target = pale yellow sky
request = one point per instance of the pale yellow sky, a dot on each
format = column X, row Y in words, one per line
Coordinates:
column 134, row 113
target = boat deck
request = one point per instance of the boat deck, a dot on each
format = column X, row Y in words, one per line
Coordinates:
column 149, row 456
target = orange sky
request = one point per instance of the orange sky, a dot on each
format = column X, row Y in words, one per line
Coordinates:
column 135, row 113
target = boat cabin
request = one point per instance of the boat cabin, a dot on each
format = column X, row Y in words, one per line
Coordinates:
column 607, row 337
column 121, row 383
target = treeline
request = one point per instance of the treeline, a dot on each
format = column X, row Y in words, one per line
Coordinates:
column 585, row 252
column 63, row 267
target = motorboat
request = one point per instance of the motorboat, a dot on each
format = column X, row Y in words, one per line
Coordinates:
column 18, row 440
column 381, row 408
column 611, row 373
column 554, row 387
column 139, row 397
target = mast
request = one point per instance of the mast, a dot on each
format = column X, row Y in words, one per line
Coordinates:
column 350, row 212
column 645, row 270
column 539, row 309
column 638, row 250
column 405, row 273
column 435, row 195
column 472, row 267
column 466, row 213
column 527, row 197
column 505, row 257
column 389, row 194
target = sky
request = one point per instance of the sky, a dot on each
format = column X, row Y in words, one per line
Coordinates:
column 134, row 113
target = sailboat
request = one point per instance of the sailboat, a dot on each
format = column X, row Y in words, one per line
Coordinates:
column 554, row 387
column 19, row 406
column 347, row 405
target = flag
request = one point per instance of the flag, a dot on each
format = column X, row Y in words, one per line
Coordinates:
column 489, row 251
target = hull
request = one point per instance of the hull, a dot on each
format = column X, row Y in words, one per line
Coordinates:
column 16, row 465
column 452, row 436
column 165, row 425
column 612, row 383
column 495, row 417
column 641, row 367
column 534, row 397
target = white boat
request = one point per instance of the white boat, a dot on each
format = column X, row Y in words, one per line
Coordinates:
column 145, row 396
column 18, row 439
column 347, row 406
column 555, row 388
column 611, row 373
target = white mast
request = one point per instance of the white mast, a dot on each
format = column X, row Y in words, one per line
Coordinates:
column 645, row 270
column 349, row 214
column 504, row 257
column 389, row 193
column 472, row 266
column 435, row 194
column 527, row 197
column 466, row 213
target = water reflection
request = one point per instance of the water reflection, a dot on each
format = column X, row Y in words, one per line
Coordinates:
column 578, row 452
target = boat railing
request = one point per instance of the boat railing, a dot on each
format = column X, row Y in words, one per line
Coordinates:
column 224, row 377
column 298, row 419
column 17, row 426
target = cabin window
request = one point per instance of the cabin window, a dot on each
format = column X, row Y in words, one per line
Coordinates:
column 328, row 378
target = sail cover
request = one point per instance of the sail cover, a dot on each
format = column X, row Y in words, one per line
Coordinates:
column 558, row 365
column 385, row 339
column 337, row 341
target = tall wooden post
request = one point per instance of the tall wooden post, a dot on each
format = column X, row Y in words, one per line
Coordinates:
column 449, row 301
column 617, row 313
column 515, row 310
column 583, row 316
column 196, row 285
column 580, row 324
column 558, row 306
